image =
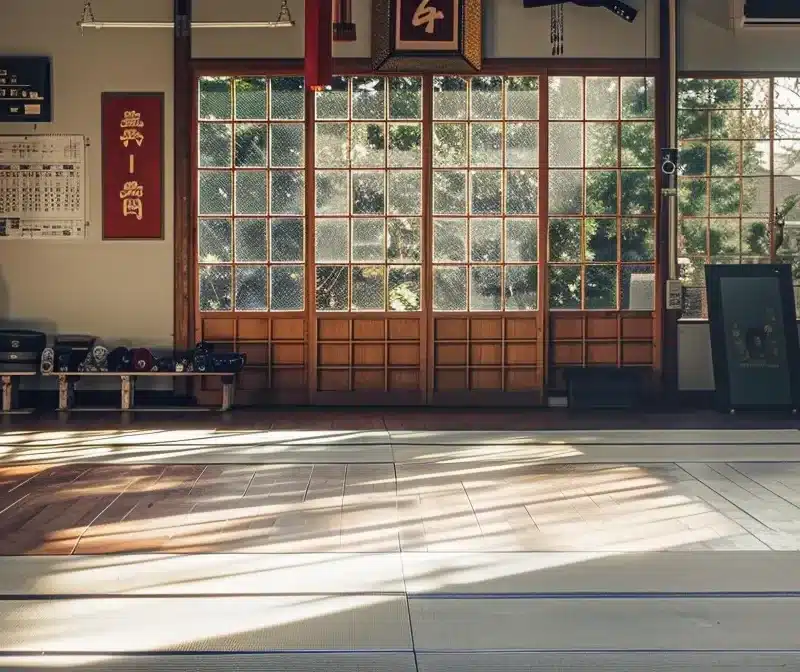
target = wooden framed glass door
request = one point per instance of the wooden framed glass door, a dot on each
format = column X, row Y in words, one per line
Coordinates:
column 486, row 313
column 421, row 239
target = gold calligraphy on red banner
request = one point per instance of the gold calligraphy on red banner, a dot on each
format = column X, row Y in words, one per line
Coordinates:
column 131, row 196
column 132, row 193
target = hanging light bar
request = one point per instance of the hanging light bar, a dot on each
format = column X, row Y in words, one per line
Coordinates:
column 97, row 25
column 87, row 20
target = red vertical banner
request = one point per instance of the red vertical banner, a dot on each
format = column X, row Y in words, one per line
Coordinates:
column 133, row 166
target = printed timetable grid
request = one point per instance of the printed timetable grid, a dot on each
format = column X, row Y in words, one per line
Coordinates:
column 42, row 186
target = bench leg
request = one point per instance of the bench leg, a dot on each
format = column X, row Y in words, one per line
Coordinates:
column 9, row 393
column 228, row 392
column 127, row 388
column 66, row 393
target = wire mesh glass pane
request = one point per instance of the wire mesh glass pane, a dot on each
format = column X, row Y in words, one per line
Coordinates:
column 522, row 240
column 403, row 238
column 251, row 145
column 449, row 145
column 369, row 98
column 404, row 288
column 369, row 288
column 450, row 288
column 449, row 240
column 286, row 192
column 601, row 287
column 333, row 101
column 522, row 145
column 486, row 144
column 251, row 192
column 213, row 240
column 369, row 241
column 251, row 240
column 215, row 149
column 485, row 237
column 214, row 98
column 287, row 147
column 565, row 98
column 485, row 288
column 331, row 145
column 638, row 287
column 287, row 98
column 332, row 288
column 332, row 242
column 522, row 97
column 287, row 287
column 449, row 192
column 602, row 98
column 405, row 192
column 405, row 98
column 405, row 145
column 486, row 192
column 521, row 288
column 287, row 240
column 449, row 98
column 369, row 192
column 215, row 288
column 522, row 192
column 251, row 98
column 251, row 288
column 368, row 145
column 332, row 192
column 486, row 99
column 215, row 191
column 565, row 287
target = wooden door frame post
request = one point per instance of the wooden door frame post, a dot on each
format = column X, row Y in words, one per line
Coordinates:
column 183, row 334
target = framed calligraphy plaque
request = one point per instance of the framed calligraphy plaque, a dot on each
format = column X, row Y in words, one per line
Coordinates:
column 754, row 340
column 427, row 35
column 133, row 166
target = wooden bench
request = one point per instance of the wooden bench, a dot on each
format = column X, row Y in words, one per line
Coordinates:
column 10, row 381
column 67, row 381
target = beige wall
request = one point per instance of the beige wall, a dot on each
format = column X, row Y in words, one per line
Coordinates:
column 708, row 41
column 119, row 291
column 510, row 31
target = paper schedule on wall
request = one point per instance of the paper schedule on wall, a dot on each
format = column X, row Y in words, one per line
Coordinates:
column 43, row 186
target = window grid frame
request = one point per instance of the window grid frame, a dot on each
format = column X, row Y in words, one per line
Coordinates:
column 349, row 169
column 467, row 216
column 233, row 218
column 769, row 216
column 619, row 217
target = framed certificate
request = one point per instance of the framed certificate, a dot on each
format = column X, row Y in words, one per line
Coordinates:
column 427, row 35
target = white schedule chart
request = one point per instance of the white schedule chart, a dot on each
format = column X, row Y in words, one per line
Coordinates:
column 43, row 186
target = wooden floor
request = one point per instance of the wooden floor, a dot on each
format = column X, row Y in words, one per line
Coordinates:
column 391, row 507
column 302, row 540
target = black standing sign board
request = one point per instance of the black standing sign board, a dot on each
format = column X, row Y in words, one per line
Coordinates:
column 25, row 89
column 754, row 342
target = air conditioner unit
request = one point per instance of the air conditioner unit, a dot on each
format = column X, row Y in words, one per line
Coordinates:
column 750, row 14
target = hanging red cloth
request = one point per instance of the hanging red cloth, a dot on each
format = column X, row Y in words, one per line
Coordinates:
column 319, row 47
column 344, row 30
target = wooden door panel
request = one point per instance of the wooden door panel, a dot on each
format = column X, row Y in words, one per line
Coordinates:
column 372, row 360
column 487, row 360
column 277, row 357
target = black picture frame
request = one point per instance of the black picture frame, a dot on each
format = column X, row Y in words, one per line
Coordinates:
column 31, row 74
column 767, row 378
